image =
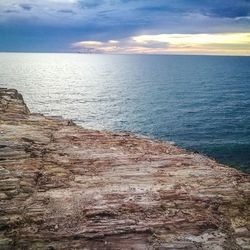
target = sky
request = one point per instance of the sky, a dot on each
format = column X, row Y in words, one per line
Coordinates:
column 209, row 27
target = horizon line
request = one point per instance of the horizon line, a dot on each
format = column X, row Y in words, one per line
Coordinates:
column 145, row 54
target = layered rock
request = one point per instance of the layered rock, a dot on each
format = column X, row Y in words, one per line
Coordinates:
column 66, row 187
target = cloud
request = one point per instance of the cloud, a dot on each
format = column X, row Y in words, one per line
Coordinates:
column 153, row 44
column 110, row 46
column 229, row 12
column 11, row 11
column 89, row 4
column 66, row 11
column 29, row 21
column 223, row 43
column 25, row 6
column 245, row 18
column 195, row 39
column 215, row 8
column 140, row 13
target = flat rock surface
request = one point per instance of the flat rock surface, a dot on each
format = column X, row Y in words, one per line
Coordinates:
column 66, row 187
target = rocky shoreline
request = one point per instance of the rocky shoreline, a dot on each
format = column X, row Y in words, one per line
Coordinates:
column 66, row 187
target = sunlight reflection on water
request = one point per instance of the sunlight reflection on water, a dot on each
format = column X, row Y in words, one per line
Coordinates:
column 201, row 103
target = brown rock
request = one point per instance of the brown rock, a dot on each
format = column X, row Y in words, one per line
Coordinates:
column 66, row 187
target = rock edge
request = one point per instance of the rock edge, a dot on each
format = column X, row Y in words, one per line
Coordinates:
column 66, row 187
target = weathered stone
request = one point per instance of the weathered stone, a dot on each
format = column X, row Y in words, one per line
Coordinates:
column 66, row 187
column 5, row 243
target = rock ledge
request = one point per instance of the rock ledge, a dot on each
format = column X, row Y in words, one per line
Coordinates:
column 66, row 187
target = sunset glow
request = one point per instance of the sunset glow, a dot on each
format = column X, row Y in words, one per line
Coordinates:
column 222, row 43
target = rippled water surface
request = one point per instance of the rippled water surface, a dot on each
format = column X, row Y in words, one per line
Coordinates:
column 201, row 103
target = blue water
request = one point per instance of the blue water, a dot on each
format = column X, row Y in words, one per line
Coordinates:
column 201, row 103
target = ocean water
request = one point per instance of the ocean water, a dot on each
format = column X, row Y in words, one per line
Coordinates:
column 201, row 103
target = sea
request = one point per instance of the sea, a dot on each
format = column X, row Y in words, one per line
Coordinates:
column 201, row 103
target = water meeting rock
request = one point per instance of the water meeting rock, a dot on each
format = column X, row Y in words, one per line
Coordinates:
column 66, row 187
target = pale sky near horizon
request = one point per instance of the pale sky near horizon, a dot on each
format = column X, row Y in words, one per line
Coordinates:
column 210, row 27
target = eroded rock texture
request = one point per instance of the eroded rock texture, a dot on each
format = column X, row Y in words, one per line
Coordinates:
column 66, row 187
